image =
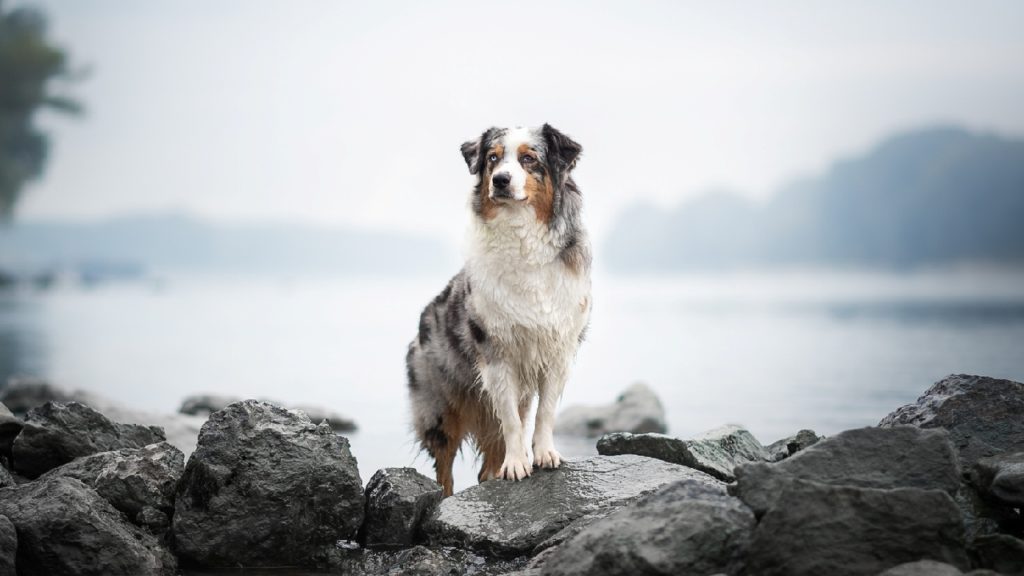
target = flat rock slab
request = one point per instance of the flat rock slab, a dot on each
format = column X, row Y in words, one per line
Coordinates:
column 637, row 410
column 689, row 527
column 1001, row 478
column 717, row 452
column 816, row 529
column 65, row 527
column 982, row 415
column 397, row 500
column 900, row 457
column 56, row 433
column 505, row 518
column 265, row 487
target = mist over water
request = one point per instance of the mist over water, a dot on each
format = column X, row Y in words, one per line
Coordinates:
column 773, row 351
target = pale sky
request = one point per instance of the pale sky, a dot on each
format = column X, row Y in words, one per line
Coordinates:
column 353, row 113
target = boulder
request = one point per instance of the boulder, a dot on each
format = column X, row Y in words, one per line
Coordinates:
column 265, row 486
column 137, row 481
column 56, row 433
column 1001, row 478
column 397, row 500
column 901, row 457
column 65, row 527
column 24, row 393
column 636, row 410
column 10, row 426
column 782, row 449
column 815, row 529
column 508, row 519
column 716, row 452
column 1000, row 552
column 982, row 415
column 690, row 527
column 8, row 547
column 206, row 404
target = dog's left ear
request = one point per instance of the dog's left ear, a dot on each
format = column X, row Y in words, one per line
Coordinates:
column 561, row 147
column 472, row 151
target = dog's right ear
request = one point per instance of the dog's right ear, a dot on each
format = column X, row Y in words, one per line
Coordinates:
column 473, row 151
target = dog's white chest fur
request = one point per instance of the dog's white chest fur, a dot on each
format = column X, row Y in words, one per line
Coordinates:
column 526, row 297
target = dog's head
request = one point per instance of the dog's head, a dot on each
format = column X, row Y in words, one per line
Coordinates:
column 520, row 165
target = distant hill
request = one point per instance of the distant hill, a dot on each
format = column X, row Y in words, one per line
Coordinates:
column 181, row 243
column 929, row 197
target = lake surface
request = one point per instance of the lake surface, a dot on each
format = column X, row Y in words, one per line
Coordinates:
column 774, row 352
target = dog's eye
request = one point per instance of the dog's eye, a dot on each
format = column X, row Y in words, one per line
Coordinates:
column 493, row 158
column 526, row 159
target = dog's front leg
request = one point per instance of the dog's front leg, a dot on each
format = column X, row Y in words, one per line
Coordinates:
column 500, row 384
column 544, row 453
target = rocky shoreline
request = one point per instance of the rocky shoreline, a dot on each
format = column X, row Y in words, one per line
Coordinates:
column 936, row 488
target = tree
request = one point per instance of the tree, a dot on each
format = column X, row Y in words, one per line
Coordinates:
column 29, row 63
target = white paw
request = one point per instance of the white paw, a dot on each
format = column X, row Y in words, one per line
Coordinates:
column 546, row 457
column 515, row 468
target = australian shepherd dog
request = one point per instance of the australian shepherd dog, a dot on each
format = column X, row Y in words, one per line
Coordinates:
column 506, row 328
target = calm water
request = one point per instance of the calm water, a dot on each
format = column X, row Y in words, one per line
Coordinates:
column 774, row 352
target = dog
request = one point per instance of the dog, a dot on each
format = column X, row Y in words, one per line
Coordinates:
column 507, row 327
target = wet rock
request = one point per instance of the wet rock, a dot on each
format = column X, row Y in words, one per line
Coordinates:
column 206, row 404
column 1001, row 478
column 782, row 449
column 690, row 527
column 397, row 500
column 899, row 457
column 8, row 547
column 10, row 426
column 24, row 393
column 815, row 529
column 265, row 486
column 716, row 452
column 923, row 568
column 636, row 410
column 418, row 561
column 65, row 527
column 132, row 480
column 507, row 519
column 56, row 433
column 999, row 552
column 982, row 415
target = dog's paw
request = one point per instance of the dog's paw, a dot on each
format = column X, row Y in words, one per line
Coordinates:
column 515, row 468
column 546, row 457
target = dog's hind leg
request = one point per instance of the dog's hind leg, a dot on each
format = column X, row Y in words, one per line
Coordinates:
column 442, row 442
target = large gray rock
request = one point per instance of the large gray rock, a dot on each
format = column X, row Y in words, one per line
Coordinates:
column 65, row 527
column 397, row 500
column 904, row 456
column 816, row 529
column 206, row 404
column 690, row 527
column 716, row 452
column 134, row 480
column 786, row 447
column 982, row 415
column 1000, row 552
column 1001, row 478
column 56, row 433
column 505, row 518
column 636, row 410
column 10, row 426
column 265, row 486
column 8, row 547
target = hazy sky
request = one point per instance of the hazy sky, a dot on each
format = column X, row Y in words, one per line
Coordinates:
column 353, row 113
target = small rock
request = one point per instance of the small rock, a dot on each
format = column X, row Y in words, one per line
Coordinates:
column 1001, row 478
column 637, row 410
column 397, row 500
column 899, row 457
column 815, row 529
column 782, row 449
column 337, row 422
column 416, row 561
column 8, row 547
column 5, row 478
column 716, row 452
column 10, row 426
column 133, row 479
column 1000, row 552
column 982, row 415
column 503, row 518
column 206, row 404
column 690, row 527
column 24, row 393
column 265, row 487
column 923, row 568
column 65, row 527
column 55, row 434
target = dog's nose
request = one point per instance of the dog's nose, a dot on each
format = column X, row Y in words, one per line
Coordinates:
column 501, row 180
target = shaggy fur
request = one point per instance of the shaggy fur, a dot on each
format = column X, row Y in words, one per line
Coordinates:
column 506, row 328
